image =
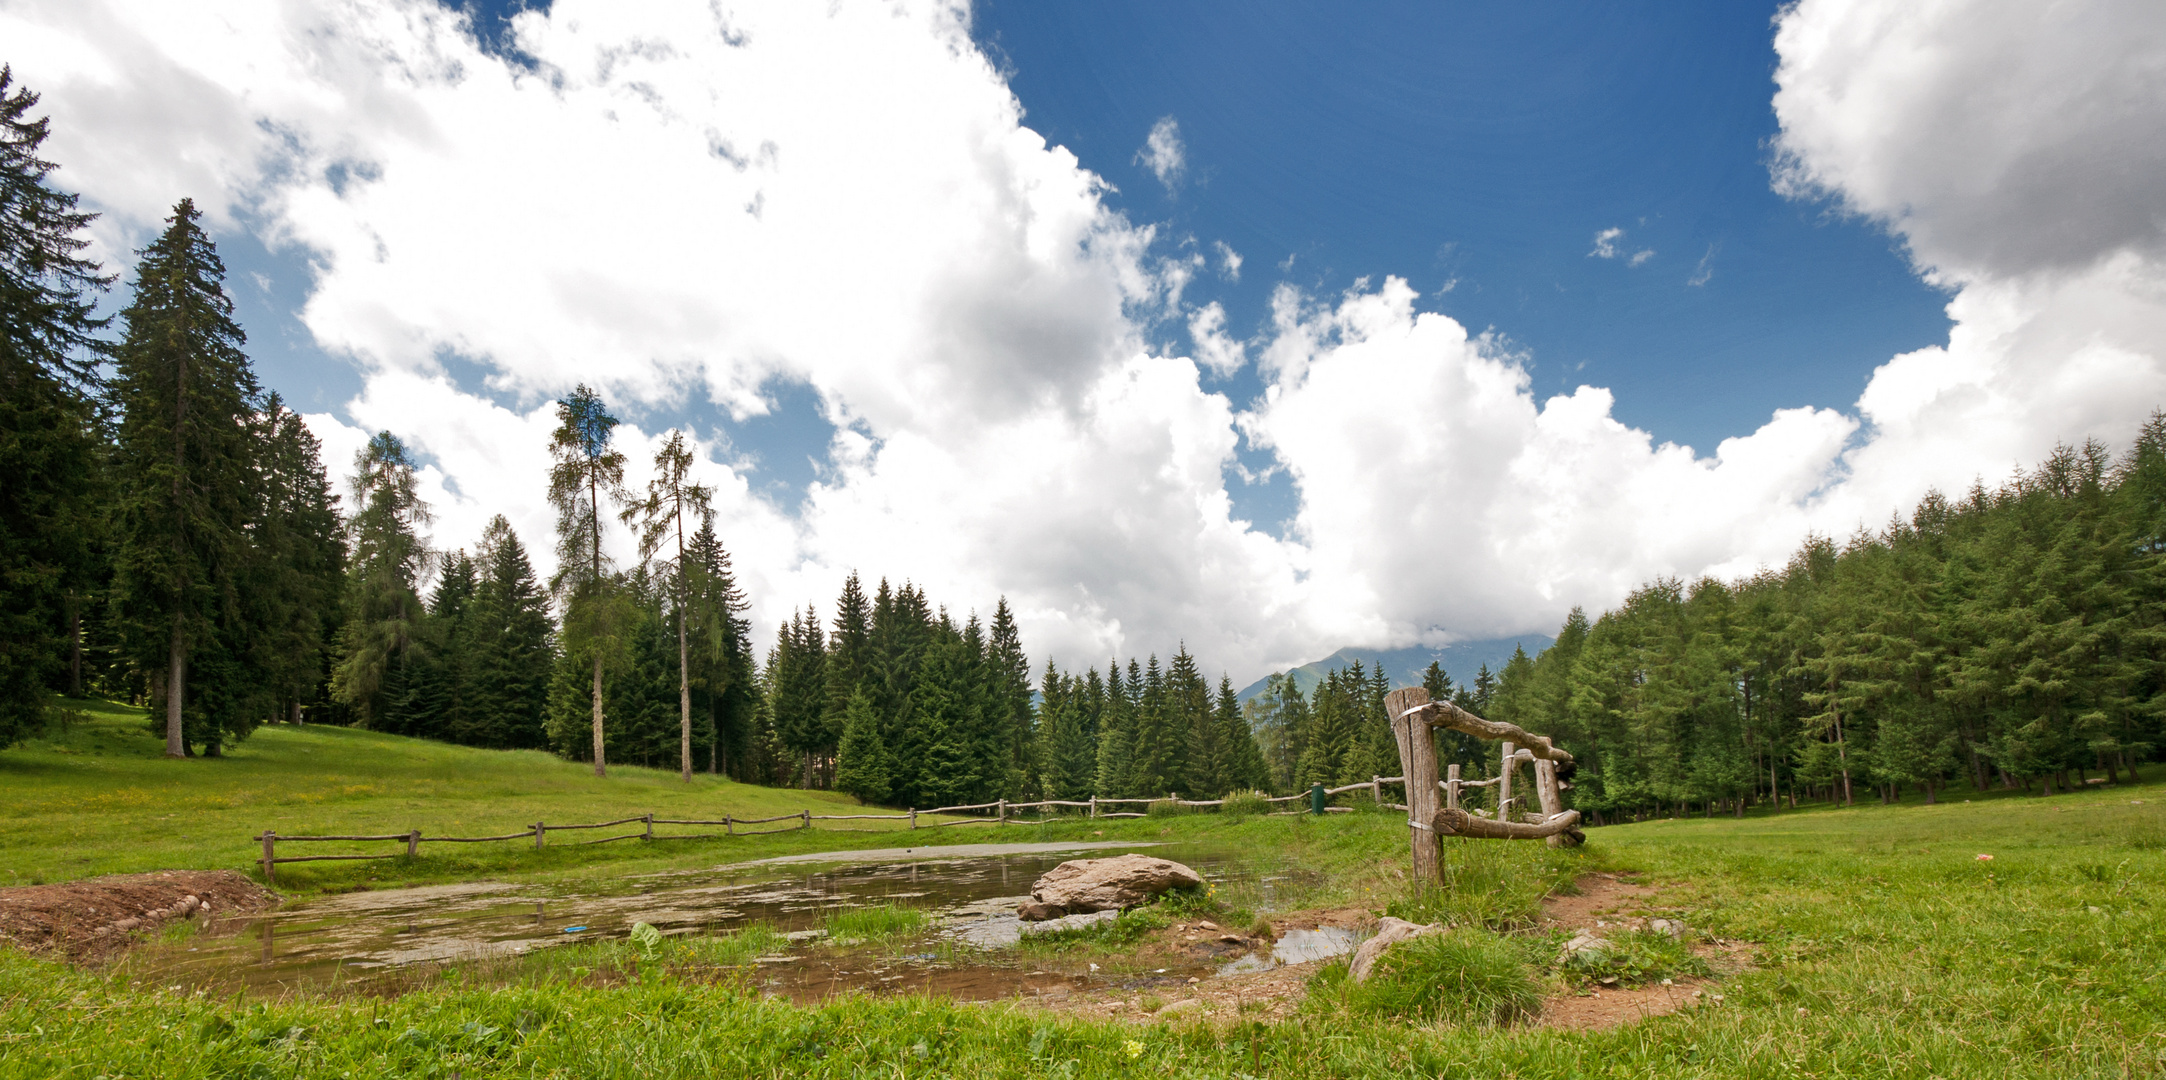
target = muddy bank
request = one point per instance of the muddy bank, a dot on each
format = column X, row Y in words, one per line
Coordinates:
column 93, row 919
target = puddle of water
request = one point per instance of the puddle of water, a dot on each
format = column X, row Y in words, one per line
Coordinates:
column 1297, row 947
column 970, row 889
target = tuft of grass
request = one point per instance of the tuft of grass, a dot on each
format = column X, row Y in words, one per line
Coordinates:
column 1130, row 927
column 1245, row 804
column 869, row 924
column 1463, row 976
column 1634, row 957
column 1164, row 808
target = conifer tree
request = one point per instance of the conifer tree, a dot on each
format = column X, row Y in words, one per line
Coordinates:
column 724, row 671
column 662, row 520
column 300, row 560
column 186, row 395
column 49, row 440
column 861, row 765
column 1008, row 704
column 510, row 634
column 1116, row 735
column 587, row 470
column 383, row 606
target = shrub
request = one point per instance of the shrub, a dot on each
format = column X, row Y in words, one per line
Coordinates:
column 1165, row 808
column 1246, row 804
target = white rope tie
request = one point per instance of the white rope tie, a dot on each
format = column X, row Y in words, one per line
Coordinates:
column 1411, row 823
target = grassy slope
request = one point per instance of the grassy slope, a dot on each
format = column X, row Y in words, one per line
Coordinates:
column 1888, row 949
column 100, row 798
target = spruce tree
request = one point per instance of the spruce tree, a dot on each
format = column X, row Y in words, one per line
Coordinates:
column 587, row 469
column 1010, row 706
column 384, row 613
column 49, row 440
column 510, row 645
column 861, row 765
column 300, row 561
column 724, row 673
column 186, row 395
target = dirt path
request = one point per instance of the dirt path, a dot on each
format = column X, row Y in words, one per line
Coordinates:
column 96, row 918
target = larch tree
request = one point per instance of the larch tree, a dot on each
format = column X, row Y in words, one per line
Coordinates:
column 186, row 395
column 672, row 500
column 49, row 442
column 587, row 469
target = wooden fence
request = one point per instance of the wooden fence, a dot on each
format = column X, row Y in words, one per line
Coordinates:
column 1003, row 814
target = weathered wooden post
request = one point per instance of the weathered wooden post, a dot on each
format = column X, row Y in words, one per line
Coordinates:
column 1376, row 789
column 413, row 843
column 1094, row 806
column 270, row 856
column 650, row 826
column 1451, row 788
column 913, row 817
column 1545, row 789
column 1417, row 762
column 1003, row 813
column 539, row 829
column 808, row 819
column 1504, row 783
column 729, row 825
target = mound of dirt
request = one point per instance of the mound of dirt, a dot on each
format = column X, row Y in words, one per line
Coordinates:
column 100, row 916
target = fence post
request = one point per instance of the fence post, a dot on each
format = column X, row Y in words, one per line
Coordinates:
column 1376, row 789
column 913, row 817
column 650, row 826
column 270, row 856
column 729, row 826
column 1003, row 811
column 1545, row 788
column 413, row 843
column 539, row 829
column 1417, row 764
column 808, row 819
column 1451, row 787
column 1504, row 783
column 1094, row 806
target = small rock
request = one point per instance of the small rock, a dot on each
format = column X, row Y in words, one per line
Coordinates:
column 1185, row 1005
column 1389, row 932
column 1207, row 925
column 1230, row 939
column 1583, row 942
column 1672, row 927
column 1068, row 922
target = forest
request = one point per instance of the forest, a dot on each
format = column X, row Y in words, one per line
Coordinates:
column 170, row 536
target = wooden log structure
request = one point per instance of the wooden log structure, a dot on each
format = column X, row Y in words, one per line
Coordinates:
column 1417, row 756
column 1450, row 822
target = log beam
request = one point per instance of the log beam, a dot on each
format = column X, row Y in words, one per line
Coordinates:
column 1446, row 714
column 1450, row 822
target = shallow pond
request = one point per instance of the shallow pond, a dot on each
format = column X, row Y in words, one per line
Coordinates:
column 969, row 890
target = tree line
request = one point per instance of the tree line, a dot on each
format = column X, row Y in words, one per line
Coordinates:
column 2012, row 638
column 169, row 535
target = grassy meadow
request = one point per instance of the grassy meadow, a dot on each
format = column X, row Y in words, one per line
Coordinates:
column 99, row 797
column 1884, row 945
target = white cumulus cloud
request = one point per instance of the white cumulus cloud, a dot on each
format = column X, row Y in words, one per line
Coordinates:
column 682, row 207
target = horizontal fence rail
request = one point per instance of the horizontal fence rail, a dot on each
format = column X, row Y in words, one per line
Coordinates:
column 1003, row 813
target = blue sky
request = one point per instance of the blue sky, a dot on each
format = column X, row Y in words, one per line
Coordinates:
column 1498, row 266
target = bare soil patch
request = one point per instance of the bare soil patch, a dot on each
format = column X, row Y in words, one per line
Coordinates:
column 98, row 917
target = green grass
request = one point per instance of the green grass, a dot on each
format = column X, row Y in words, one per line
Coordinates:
column 1885, row 947
column 1461, row 976
column 1631, row 958
column 881, row 923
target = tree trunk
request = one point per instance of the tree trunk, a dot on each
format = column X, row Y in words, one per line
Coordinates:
column 75, row 645
column 684, row 660
column 599, row 768
column 1417, row 763
column 175, row 746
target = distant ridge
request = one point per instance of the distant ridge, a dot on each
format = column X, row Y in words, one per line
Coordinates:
column 1404, row 666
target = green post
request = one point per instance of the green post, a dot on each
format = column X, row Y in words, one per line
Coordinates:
column 1316, row 799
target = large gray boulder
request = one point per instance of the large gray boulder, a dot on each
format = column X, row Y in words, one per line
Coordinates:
column 1389, row 932
column 1085, row 885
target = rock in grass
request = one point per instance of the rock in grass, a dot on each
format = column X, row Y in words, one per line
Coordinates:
column 1390, row 932
column 1085, row 885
